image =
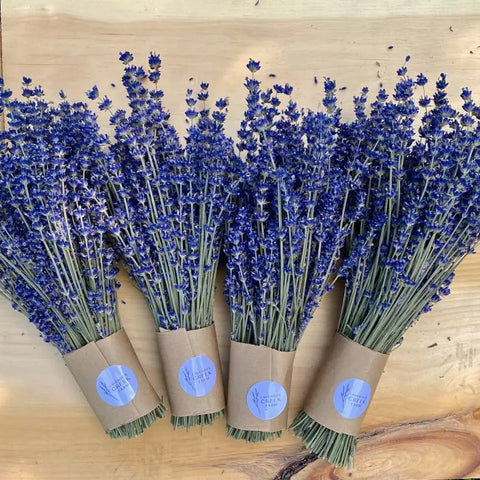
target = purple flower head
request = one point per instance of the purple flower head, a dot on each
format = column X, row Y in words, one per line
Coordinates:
column 154, row 61
column 105, row 103
column 93, row 93
column 253, row 66
column 126, row 57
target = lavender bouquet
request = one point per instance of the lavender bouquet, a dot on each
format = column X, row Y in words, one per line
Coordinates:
column 55, row 264
column 282, row 245
column 422, row 218
column 169, row 204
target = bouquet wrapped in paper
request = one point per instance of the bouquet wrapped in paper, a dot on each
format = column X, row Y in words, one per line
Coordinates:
column 294, row 210
column 422, row 217
column 169, row 204
column 56, row 265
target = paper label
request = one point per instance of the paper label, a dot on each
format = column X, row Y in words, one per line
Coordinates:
column 351, row 397
column 197, row 375
column 266, row 400
column 117, row 385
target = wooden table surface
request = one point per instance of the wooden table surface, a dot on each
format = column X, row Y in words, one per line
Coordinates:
column 424, row 420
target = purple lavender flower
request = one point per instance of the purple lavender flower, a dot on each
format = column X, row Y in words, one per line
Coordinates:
column 169, row 201
column 55, row 263
column 422, row 212
column 297, row 201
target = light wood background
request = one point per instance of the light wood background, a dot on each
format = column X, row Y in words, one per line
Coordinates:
column 424, row 422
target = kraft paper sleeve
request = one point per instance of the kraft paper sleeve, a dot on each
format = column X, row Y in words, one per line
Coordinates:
column 192, row 370
column 112, row 379
column 258, row 387
column 345, row 385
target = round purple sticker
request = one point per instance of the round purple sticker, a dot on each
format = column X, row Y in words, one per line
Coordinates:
column 351, row 397
column 197, row 375
column 117, row 385
column 266, row 400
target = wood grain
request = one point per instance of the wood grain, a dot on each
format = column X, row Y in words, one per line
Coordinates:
column 118, row 11
column 424, row 421
column 447, row 445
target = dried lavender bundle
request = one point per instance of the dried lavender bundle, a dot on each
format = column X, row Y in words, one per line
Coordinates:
column 422, row 218
column 282, row 245
column 55, row 264
column 169, row 204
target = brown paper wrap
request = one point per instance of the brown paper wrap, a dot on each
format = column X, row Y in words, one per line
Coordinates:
column 346, row 360
column 178, row 346
column 88, row 362
column 250, row 364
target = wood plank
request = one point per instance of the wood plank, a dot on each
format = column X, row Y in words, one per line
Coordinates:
column 446, row 445
column 77, row 53
column 426, row 408
column 141, row 10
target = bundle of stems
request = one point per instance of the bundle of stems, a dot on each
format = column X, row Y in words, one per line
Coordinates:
column 55, row 264
column 422, row 218
column 169, row 202
column 297, row 202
